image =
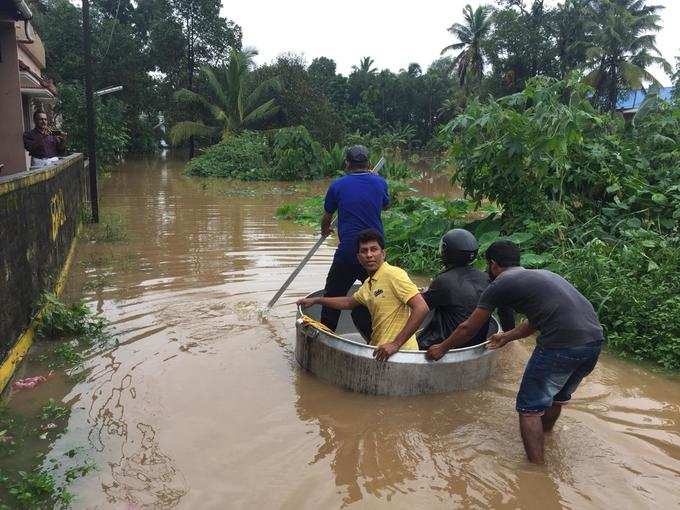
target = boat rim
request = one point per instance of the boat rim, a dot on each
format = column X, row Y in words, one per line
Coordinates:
column 373, row 347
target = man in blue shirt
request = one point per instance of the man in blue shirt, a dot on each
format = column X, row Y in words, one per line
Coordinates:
column 359, row 198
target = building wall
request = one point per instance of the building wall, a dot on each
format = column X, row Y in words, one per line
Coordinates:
column 32, row 54
column 39, row 215
column 11, row 124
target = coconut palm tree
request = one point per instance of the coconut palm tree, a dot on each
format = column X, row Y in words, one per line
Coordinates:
column 231, row 107
column 472, row 36
column 365, row 66
column 624, row 46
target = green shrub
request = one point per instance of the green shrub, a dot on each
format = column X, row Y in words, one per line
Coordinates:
column 296, row 156
column 334, row 161
column 599, row 197
column 59, row 320
column 396, row 169
column 244, row 156
column 38, row 489
column 634, row 289
column 288, row 154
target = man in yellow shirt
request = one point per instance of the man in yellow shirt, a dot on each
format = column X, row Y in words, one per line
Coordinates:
column 397, row 308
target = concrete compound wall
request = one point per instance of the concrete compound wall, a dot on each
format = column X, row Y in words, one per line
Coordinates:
column 39, row 216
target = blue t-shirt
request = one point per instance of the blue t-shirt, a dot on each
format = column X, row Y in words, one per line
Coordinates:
column 359, row 199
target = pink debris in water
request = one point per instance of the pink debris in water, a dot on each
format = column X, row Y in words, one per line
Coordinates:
column 30, row 382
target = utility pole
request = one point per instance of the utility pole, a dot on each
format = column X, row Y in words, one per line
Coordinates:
column 89, row 104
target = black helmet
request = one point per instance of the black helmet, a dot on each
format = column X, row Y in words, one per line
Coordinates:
column 458, row 248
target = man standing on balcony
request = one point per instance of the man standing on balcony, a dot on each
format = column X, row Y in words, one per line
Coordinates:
column 359, row 198
column 43, row 144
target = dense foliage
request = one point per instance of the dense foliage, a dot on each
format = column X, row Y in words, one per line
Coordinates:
column 150, row 48
column 157, row 48
column 110, row 118
column 284, row 154
column 600, row 198
column 242, row 156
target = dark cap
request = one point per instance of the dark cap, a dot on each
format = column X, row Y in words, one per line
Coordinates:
column 357, row 154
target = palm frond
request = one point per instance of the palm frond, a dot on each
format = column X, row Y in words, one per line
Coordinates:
column 455, row 46
column 184, row 130
column 264, row 89
column 214, row 85
column 260, row 114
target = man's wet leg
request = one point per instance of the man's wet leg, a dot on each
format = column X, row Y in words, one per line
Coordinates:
column 550, row 417
column 531, row 428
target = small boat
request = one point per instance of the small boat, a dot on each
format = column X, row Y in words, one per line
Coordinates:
column 343, row 358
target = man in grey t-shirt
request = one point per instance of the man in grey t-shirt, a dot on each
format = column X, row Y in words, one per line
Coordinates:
column 568, row 345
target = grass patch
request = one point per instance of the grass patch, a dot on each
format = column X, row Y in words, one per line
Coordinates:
column 112, row 228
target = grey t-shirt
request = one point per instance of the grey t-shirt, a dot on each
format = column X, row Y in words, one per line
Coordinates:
column 551, row 304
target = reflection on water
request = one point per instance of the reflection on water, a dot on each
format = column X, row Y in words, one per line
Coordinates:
column 201, row 405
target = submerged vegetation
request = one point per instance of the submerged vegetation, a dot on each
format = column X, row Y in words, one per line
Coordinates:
column 28, row 479
column 30, row 482
column 286, row 154
column 111, row 228
column 59, row 321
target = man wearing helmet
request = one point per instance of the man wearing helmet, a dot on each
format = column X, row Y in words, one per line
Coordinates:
column 359, row 198
column 454, row 293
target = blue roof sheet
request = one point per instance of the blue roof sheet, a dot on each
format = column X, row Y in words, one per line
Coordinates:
column 633, row 99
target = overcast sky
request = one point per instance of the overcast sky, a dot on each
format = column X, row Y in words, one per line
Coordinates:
column 394, row 32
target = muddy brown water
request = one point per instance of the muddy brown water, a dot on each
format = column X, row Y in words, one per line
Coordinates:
column 202, row 405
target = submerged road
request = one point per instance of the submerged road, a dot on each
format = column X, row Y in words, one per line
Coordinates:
column 201, row 405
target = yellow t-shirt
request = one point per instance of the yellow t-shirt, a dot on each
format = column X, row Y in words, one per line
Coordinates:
column 385, row 294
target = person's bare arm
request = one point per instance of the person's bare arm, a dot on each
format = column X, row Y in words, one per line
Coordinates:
column 419, row 310
column 337, row 303
column 462, row 334
column 500, row 339
column 326, row 221
column 506, row 317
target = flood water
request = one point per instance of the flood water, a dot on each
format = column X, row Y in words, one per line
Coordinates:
column 202, row 405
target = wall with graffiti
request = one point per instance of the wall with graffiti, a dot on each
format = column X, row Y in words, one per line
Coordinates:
column 39, row 215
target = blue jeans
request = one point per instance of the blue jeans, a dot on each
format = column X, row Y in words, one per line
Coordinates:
column 553, row 374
